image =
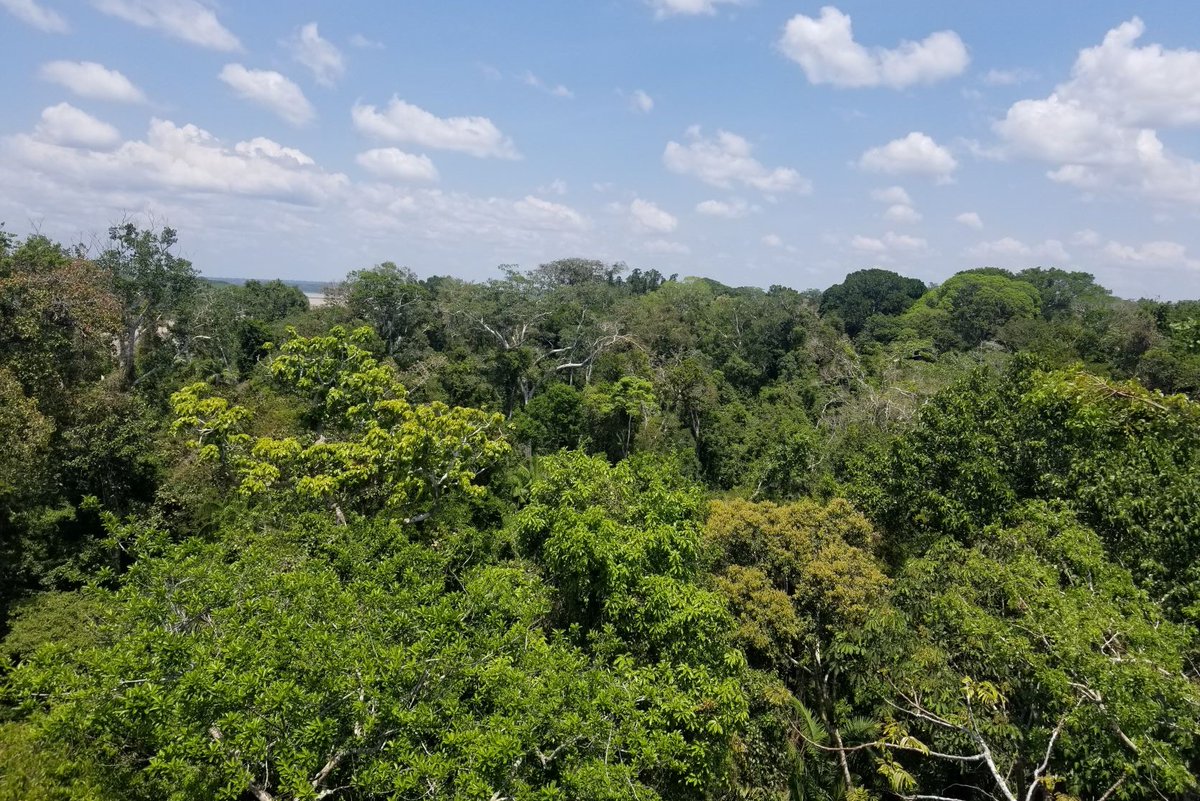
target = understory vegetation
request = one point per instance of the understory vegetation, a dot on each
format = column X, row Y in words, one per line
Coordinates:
column 584, row 532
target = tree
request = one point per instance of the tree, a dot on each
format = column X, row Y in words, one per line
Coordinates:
column 1126, row 458
column 1040, row 669
column 151, row 282
column 311, row 660
column 971, row 308
column 869, row 293
column 621, row 545
column 322, row 661
column 552, row 420
column 576, row 272
column 1066, row 294
column 617, row 412
column 394, row 303
column 802, row 582
column 373, row 451
column 58, row 319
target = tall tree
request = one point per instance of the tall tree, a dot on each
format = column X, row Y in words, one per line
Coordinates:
column 867, row 293
column 151, row 282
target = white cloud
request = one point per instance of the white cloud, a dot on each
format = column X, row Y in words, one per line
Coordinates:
column 970, row 219
column 545, row 214
column 1058, row 130
column 258, row 202
column 260, row 146
column 271, row 90
column 184, row 158
column 900, row 213
column 394, row 164
column 1151, row 254
column 890, row 242
column 727, row 160
column 388, row 211
column 892, row 195
column 670, row 8
column 640, row 101
column 1010, row 252
column 1137, row 85
column 404, row 122
column 1096, row 129
column 555, row 90
column 1086, row 237
column 363, row 43
column 868, row 244
column 66, row 125
column 319, row 55
column 89, row 79
column 1009, row 77
column 825, row 49
column 733, row 209
column 916, row 153
column 187, row 20
column 773, row 241
column 32, row 13
column 666, row 247
column 648, row 217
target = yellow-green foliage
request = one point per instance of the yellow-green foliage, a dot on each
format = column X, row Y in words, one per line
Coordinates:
column 794, row 573
column 373, row 450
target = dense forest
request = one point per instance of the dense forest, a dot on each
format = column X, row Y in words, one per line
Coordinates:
column 586, row 532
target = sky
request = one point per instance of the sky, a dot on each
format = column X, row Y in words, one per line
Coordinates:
column 750, row 141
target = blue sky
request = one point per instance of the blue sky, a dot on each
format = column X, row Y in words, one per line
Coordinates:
column 751, row 141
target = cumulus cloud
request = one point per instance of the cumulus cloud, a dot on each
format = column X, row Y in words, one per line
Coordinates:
column 773, row 241
column 1137, row 85
column 647, row 216
column 549, row 215
column 404, row 122
column 1159, row 253
column 970, row 219
column 670, row 8
column 727, row 159
column 891, row 195
column 889, row 242
column 259, row 199
column 271, row 90
column 89, row 79
column 393, row 164
column 269, row 148
column 1097, row 130
column 640, row 101
column 187, row 20
column 825, row 49
column 915, row 154
column 180, row 159
column 1010, row 252
column 900, row 213
column 319, row 55
column 733, row 209
column 37, row 15
column 66, row 125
